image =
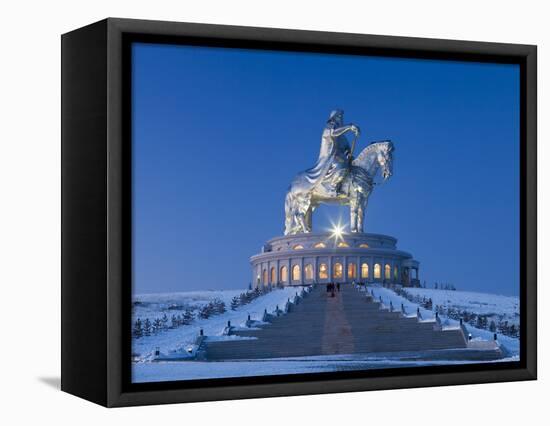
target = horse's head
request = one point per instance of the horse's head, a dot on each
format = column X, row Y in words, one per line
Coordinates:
column 385, row 158
column 378, row 156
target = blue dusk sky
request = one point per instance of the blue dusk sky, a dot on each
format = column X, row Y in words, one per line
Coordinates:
column 219, row 133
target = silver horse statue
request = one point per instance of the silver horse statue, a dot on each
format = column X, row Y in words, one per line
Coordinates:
column 337, row 177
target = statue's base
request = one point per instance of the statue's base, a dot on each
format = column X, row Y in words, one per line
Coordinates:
column 311, row 258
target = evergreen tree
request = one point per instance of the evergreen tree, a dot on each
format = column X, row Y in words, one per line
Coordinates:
column 157, row 325
column 206, row 311
column 218, row 307
column 503, row 327
column 188, row 316
column 235, row 303
column 147, row 327
column 175, row 322
column 492, row 327
column 164, row 322
column 479, row 322
column 138, row 329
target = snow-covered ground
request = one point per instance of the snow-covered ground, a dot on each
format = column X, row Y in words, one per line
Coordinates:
column 156, row 305
column 479, row 303
column 167, row 371
column 180, row 339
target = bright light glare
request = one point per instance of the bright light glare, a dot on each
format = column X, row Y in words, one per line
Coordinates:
column 337, row 231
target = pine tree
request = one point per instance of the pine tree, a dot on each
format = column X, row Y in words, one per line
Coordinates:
column 157, row 325
column 479, row 323
column 138, row 329
column 235, row 303
column 218, row 307
column 503, row 327
column 492, row 327
column 147, row 327
column 206, row 311
column 164, row 322
column 175, row 322
column 188, row 316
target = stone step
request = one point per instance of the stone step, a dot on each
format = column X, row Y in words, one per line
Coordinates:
column 351, row 322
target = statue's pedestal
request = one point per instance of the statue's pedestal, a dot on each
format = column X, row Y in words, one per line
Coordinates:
column 312, row 258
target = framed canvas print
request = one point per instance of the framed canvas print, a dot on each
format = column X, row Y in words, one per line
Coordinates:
column 251, row 212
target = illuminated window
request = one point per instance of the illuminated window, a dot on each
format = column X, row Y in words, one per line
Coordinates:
column 363, row 245
column 320, row 245
column 298, row 247
column 308, row 271
column 365, row 270
column 377, row 271
column 273, row 277
column 296, row 273
column 387, row 272
column 395, row 273
column 338, row 270
column 343, row 244
column 264, row 276
column 284, row 274
column 323, row 271
column 352, row 270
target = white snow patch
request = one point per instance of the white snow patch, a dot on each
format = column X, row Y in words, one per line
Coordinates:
column 479, row 303
column 181, row 338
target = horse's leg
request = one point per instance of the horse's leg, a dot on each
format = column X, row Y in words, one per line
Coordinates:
column 303, row 214
column 309, row 218
column 362, row 206
column 289, row 215
column 353, row 205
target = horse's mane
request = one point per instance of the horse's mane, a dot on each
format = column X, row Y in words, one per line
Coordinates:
column 362, row 157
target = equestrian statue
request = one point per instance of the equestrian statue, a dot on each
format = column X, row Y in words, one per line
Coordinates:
column 337, row 177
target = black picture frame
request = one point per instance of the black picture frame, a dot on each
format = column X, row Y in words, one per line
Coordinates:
column 96, row 211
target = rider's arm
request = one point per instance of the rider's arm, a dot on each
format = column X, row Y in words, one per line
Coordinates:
column 341, row 130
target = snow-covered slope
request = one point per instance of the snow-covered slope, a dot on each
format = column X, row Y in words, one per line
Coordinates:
column 479, row 303
column 156, row 305
column 174, row 342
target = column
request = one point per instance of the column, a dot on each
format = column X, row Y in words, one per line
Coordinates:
column 315, row 270
column 345, row 271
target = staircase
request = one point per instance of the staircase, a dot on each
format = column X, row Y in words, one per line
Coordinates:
column 351, row 322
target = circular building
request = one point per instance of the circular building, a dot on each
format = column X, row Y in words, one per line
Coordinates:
column 323, row 257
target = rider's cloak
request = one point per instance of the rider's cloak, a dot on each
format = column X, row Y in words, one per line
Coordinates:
column 332, row 162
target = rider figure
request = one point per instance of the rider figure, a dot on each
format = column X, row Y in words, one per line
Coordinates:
column 335, row 156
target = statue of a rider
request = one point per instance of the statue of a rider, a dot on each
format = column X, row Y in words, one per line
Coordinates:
column 335, row 156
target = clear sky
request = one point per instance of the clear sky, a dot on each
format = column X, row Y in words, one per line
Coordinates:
column 218, row 134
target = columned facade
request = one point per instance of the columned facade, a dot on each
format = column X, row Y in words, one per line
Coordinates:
column 320, row 258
